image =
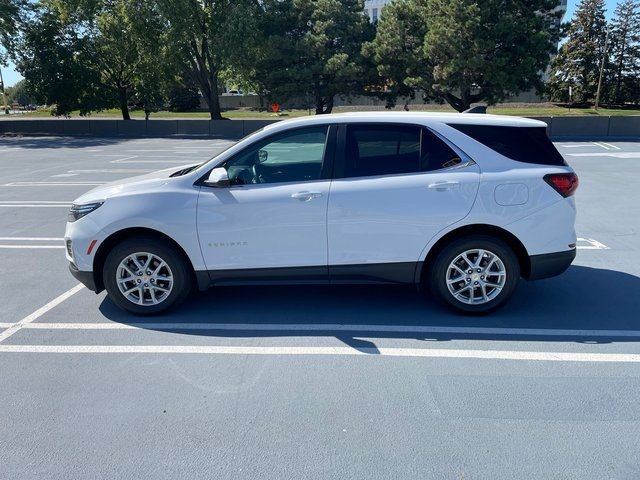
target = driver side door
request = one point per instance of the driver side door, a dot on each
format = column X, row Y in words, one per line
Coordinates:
column 271, row 219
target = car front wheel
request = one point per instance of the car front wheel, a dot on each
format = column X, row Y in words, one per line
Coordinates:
column 475, row 275
column 146, row 276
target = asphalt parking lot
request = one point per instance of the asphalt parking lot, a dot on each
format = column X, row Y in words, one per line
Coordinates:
column 313, row 382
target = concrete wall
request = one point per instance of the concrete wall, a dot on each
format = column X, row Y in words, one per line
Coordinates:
column 133, row 128
column 557, row 127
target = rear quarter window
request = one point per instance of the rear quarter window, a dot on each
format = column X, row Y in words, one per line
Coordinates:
column 523, row 144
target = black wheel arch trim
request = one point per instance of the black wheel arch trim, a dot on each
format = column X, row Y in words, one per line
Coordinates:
column 475, row 229
column 112, row 240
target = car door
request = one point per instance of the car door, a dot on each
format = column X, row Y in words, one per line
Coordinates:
column 395, row 187
column 273, row 214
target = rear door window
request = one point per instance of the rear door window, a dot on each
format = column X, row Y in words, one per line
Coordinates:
column 380, row 149
column 523, row 144
column 435, row 154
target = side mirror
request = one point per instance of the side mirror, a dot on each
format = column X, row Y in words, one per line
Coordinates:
column 218, row 178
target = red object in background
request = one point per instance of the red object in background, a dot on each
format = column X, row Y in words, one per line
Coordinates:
column 275, row 107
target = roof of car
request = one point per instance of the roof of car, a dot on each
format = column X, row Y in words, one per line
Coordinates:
column 416, row 117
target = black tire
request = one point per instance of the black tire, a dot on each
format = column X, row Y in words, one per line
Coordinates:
column 180, row 270
column 437, row 276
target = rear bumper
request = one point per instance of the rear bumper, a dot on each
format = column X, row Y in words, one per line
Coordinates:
column 86, row 278
column 550, row 264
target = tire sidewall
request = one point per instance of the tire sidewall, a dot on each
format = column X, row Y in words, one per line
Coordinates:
column 438, row 284
column 173, row 258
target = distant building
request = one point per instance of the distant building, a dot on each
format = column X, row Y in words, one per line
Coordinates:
column 373, row 8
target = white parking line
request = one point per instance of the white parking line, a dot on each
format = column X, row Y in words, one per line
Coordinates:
column 32, row 239
column 330, row 351
column 607, row 154
column 582, row 145
column 38, row 313
column 52, row 184
column 61, row 175
column 591, row 244
column 124, row 159
column 34, row 204
column 305, row 327
column 166, row 150
column 606, row 146
column 184, row 161
column 39, row 205
column 27, row 247
column 113, row 170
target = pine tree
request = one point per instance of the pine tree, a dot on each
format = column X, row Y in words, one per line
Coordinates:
column 578, row 62
column 624, row 54
column 465, row 51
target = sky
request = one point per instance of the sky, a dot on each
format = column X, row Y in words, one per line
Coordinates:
column 11, row 77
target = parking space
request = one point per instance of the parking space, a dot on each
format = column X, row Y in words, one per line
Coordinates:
column 308, row 381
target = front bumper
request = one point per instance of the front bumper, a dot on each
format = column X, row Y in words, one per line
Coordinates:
column 86, row 278
column 550, row 264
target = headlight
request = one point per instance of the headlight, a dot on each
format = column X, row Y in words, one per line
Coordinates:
column 78, row 211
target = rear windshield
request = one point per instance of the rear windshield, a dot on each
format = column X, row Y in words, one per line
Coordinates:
column 523, row 144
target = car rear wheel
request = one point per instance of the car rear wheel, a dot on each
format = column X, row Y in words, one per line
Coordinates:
column 475, row 275
column 146, row 276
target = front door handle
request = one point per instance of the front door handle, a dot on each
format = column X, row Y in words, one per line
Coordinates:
column 306, row 196
column 446, row 185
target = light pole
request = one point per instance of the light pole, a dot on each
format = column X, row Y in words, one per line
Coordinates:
column 604, row 57
column 4, row 96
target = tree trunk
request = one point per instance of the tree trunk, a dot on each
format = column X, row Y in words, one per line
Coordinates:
column 214, row 100
column 619, row 67
column 318, row 96
column 204, row 73
column 329, row 104
column 323, row 105
column 124, row 107
column 455, row 102
column 464, row 102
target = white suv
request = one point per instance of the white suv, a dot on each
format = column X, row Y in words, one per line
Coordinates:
column 464, row 204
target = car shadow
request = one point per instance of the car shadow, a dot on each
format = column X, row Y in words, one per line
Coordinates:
column 63, row 141
column 579, row 304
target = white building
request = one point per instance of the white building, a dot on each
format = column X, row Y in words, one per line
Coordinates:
column 373, row 8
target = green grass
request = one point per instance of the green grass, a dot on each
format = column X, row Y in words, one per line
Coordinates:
column 527, row 110
column 560, row 111
column 138, row 114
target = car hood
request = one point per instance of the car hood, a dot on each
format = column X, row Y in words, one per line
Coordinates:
column 130, row 185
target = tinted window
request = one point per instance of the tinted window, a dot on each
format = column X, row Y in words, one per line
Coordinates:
column 435, row 154
column 524, row 144
column 381, row 150
column 294, row 156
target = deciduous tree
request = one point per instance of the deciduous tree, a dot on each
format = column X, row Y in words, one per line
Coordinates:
column 52, row 57
column 313, row 49
column 206, row 36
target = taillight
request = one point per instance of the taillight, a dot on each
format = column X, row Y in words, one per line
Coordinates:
column 564, row 183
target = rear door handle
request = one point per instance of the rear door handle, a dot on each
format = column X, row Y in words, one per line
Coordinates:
column 306, row 196
column 446, row 185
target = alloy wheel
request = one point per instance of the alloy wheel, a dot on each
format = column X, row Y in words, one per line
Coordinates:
column 476, row 276
column 144, row 278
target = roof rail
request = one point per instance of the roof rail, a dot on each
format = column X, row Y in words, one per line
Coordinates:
column 476, row 109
